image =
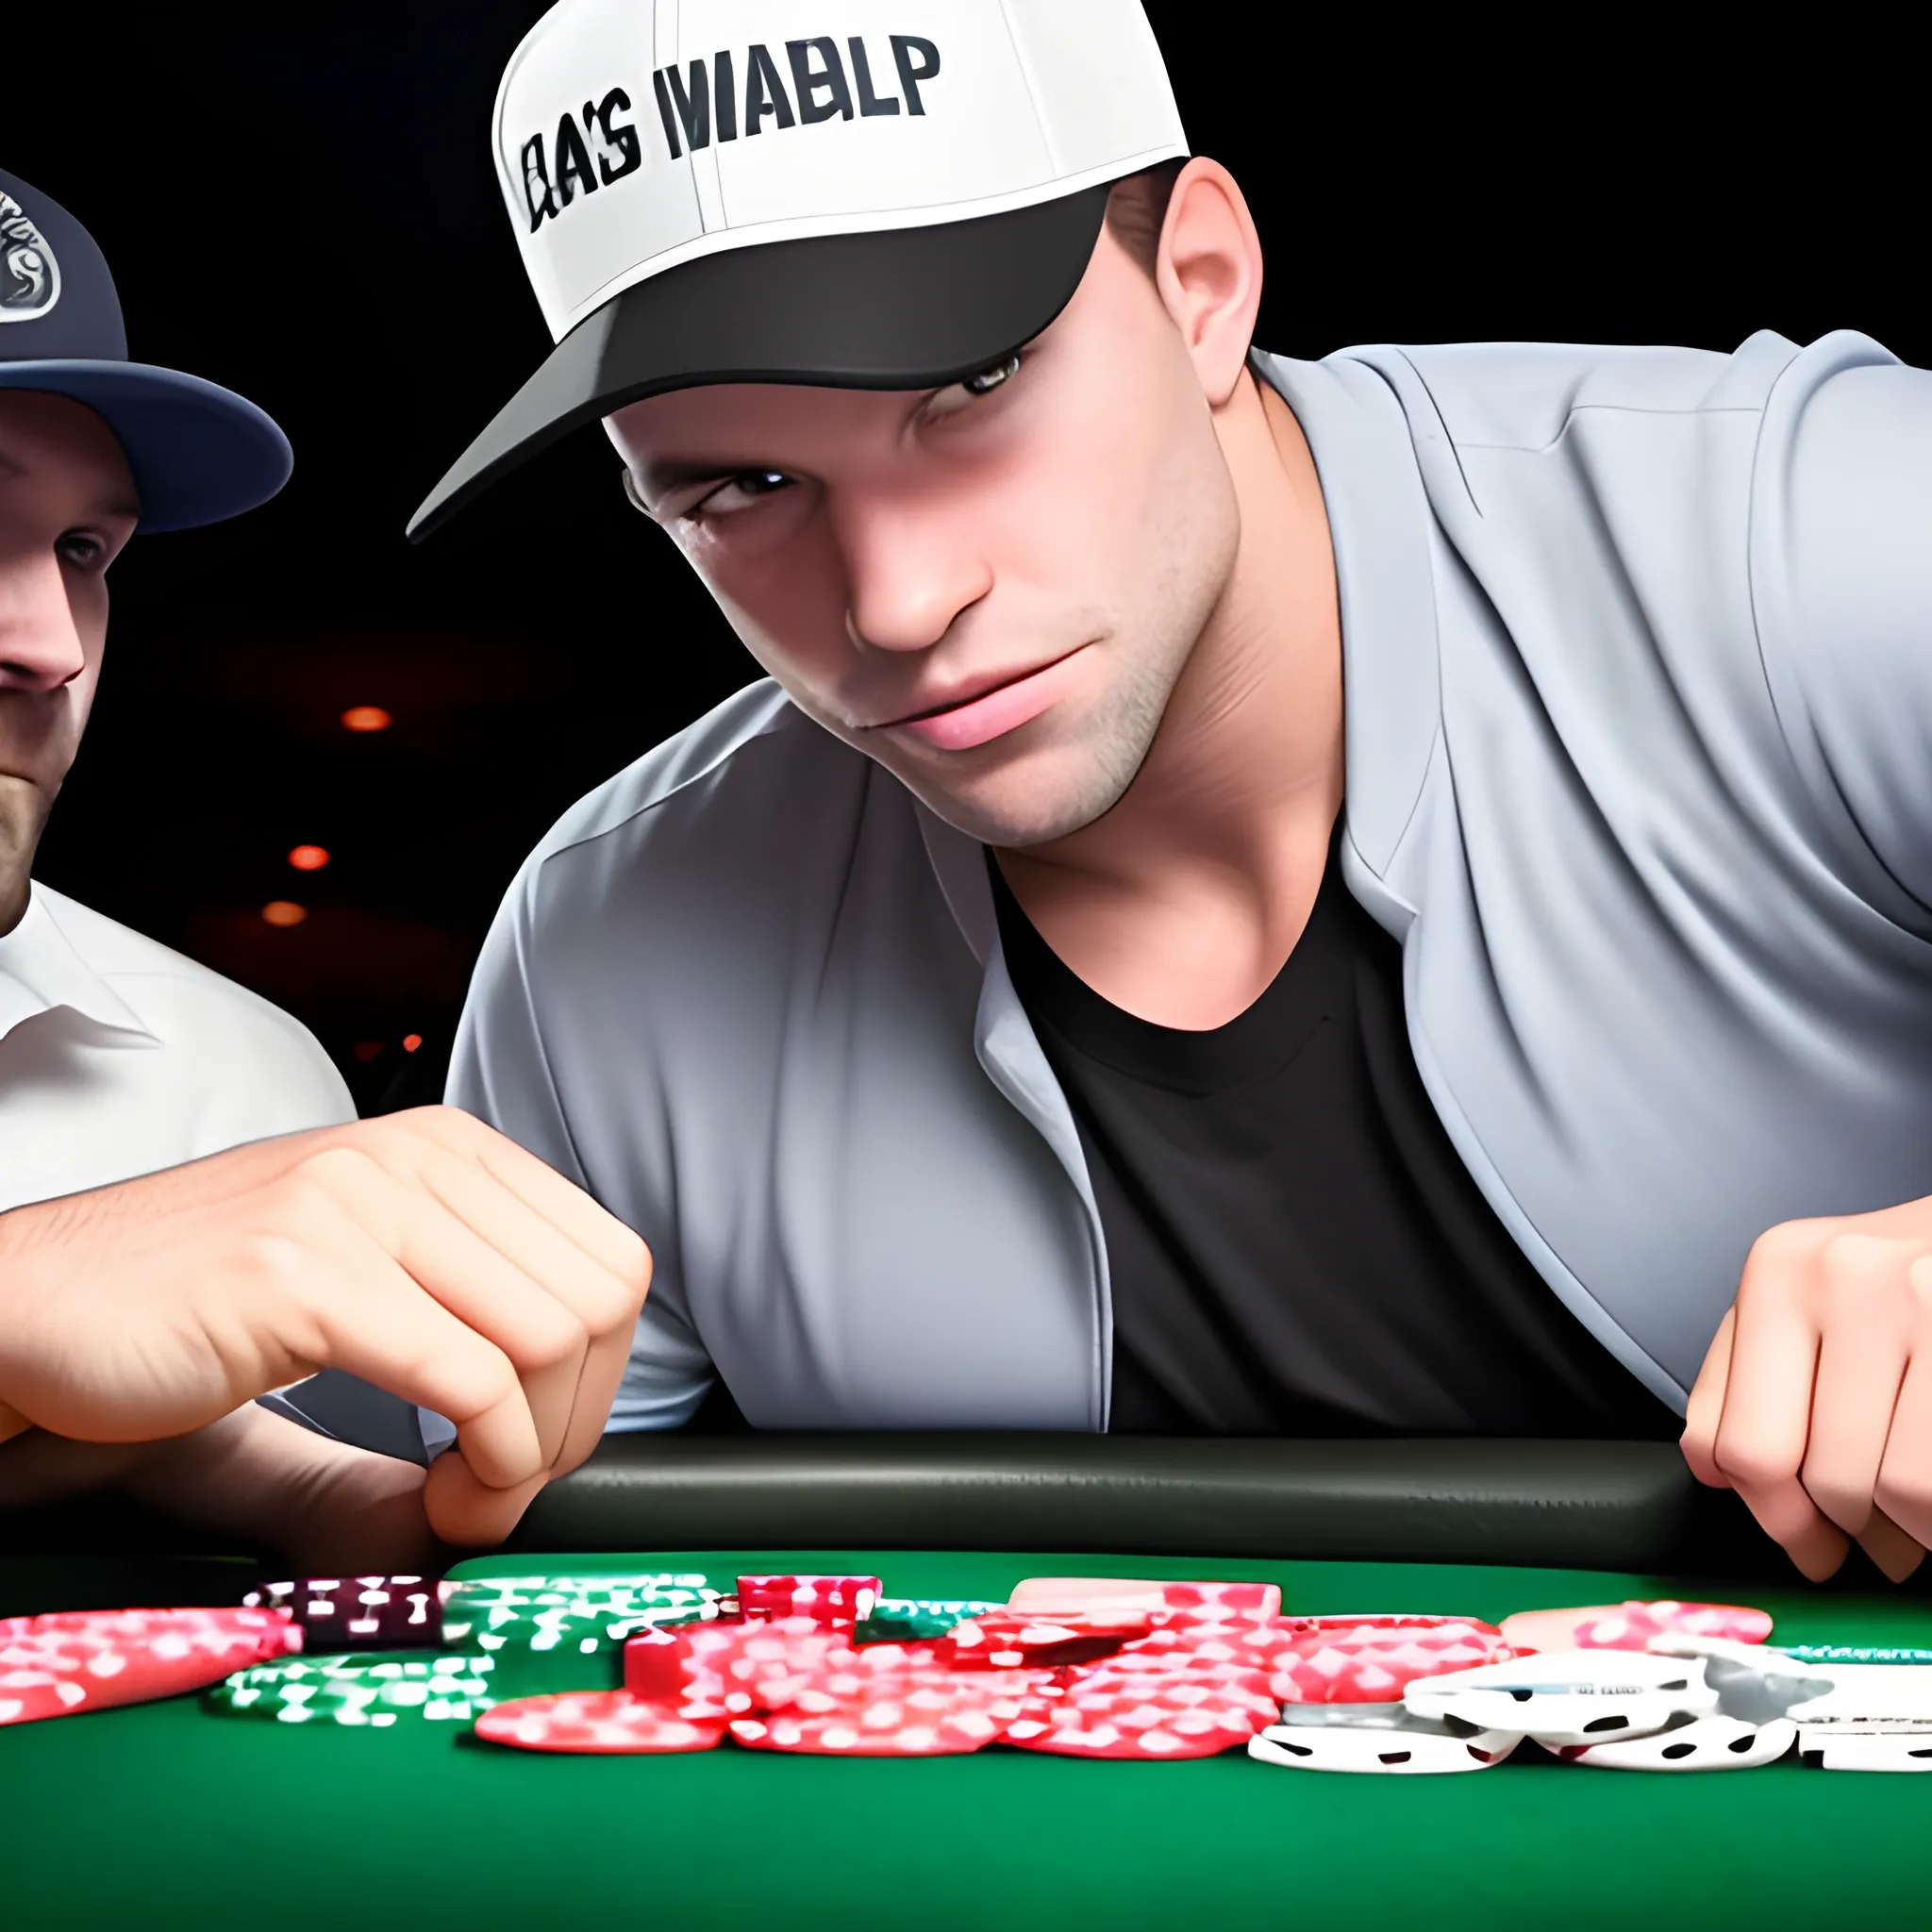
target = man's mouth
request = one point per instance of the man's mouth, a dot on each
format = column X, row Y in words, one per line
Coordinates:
column 986, row 712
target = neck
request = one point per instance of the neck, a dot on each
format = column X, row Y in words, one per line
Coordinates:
column 1183, row 902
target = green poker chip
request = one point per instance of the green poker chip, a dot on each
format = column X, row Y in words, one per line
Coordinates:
column 915, row 1620
column 368, row 1692
column 568, row 1633
column 1853, row 1654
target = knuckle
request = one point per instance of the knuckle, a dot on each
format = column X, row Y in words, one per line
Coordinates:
column 1852, row 1257
column 341, row 1166
column 545, row 1337
column 1789, row 1244
column 1903, row 1491
column 1755, row 1465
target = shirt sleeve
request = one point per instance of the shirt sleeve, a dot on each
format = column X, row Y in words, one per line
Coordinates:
column 501, row 1072
column 1842, row 582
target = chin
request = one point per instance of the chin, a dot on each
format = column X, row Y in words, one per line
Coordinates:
column 1014, row 815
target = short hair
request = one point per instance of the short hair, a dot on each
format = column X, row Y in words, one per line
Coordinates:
column 1137, row 210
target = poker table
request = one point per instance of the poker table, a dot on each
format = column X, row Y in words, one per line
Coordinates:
column 162, row 1815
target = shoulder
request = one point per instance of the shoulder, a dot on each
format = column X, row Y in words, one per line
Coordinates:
column 1527, row 396
column 749, row 787
column 245, row 1049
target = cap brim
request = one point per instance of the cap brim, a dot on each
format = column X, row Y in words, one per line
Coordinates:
column 199, row 453
column 893, row 308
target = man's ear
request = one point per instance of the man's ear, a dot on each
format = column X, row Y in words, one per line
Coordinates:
column 1208, row 274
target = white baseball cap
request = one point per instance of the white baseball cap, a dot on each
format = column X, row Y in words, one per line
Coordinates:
column 857, row 193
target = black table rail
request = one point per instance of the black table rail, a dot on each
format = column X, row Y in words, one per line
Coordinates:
column 1607, row 1506
column 1628, row 1506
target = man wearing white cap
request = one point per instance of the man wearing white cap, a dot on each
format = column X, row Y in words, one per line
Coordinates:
column 139, row 1316
column 1385, row 894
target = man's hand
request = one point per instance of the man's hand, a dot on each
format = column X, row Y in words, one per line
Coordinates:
column 424, row 1252
column 1815, row 1401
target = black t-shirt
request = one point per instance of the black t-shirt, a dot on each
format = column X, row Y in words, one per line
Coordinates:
column 1294, row 1245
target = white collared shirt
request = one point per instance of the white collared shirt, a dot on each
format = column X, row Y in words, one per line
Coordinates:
column 119, row 1056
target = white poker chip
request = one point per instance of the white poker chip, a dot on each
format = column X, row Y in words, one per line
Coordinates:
column 1840, row 1747
column 1385, row 1739
column 1569, row 1697
column 1692, row 1743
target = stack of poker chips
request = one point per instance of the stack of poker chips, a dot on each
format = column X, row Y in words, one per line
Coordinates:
column 376, row 1691
column 336, row 1613
column 568, row 1633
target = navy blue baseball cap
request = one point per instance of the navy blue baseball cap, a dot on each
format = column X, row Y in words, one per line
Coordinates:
column 199, row 453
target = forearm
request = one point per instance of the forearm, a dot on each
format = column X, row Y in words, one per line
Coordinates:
column 324, row 1506
column 327, row 1507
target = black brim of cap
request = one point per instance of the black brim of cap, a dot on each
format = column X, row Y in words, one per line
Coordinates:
column 198, row 453
column 897, row 308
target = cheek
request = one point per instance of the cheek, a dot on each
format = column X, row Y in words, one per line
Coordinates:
column 786, row 598
column 1103, row 504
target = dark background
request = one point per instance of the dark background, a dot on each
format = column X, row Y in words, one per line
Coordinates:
column 299, row 203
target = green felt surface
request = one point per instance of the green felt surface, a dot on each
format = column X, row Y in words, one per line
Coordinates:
column 161, row 1816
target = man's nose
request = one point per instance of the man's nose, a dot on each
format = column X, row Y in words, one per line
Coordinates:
column 911, row 569
column 40, row 646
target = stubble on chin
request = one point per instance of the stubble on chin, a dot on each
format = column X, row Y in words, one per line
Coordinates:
column 23, row 816
column 1069, row 787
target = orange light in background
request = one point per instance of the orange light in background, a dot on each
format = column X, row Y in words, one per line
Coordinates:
column 411, row 1041
column 367, row 1049
column 308, row 857
column 367, row 718
column 284, row 912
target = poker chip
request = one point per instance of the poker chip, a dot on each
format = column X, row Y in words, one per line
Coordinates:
column 1692, row 1742
column 921, row 1713
column 1367, row 1660
column 1570, row 1697
column 355, row 1612
column 910, row 1620
column 602, row 1723
column 836, row 1602
column 1007, row 1640
column 568, row 1633
column 358, row 1691
column 1379, row 1739
column 1633, row 1626
column 1135, row 1716
column 66, row 1662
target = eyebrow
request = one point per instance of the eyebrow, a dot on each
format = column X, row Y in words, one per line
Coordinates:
column 114, row 506
column 660, row 478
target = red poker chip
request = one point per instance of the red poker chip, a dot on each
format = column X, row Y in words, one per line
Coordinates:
column 1257, row 1645
column 1011, row 1639
column 1373, row 1660
column 893, row 1722
column 604, row 1722
column 1143, row 1718
column 1222, row 1602
column 834, row 1601
column 68, row 1661
column 1631, row 1625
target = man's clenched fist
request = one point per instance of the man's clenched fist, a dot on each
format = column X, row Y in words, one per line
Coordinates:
column 422, row 1252
column 1815, row 1401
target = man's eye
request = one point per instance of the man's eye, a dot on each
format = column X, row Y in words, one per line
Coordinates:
column 960, row 395
column 82, row 552
column 739, row 492
column 991, row 377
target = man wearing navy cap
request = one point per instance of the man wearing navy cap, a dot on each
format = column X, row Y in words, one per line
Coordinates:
column 271, row 1235
column 117, row 1056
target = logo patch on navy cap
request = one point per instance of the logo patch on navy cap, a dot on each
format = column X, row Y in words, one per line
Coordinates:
column 30, row 276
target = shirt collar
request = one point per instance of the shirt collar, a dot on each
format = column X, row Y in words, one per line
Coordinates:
column 40, row 969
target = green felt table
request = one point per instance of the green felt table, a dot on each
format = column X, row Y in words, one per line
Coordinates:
column 164, row 1816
